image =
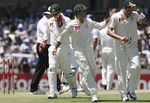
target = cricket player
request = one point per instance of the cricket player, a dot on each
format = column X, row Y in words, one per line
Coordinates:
column 124, row 24
column 107, row 56
column 62, row 60
column 81, row 39
column 108, row 59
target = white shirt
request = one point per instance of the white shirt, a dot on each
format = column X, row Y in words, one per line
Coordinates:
column 80, row 32
column 124, row 26
column 42, row 29
column 54, row 30
column 106, row 41
column 95, row 33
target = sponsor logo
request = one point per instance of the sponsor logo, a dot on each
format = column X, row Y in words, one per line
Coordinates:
column 22, row 81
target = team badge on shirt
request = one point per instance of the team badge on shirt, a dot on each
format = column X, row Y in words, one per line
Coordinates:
column 51, row 24
column 77, row 28
column 121, row 19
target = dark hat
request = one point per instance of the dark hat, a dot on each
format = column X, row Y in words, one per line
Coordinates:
column 54, row 9
column 127, row 2
column 79, row 7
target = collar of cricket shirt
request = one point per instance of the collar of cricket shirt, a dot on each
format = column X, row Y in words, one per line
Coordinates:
column 78, row 22
column 122, row 14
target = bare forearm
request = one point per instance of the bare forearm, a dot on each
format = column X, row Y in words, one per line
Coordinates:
column 112, row 34
column 142, row 17
column 107, row 20
column 95, row 43
column 115, row 36
column 57, row 44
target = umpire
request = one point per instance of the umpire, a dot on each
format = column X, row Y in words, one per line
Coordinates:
column 42, row 51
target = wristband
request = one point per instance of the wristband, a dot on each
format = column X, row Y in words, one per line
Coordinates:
column 141, row 16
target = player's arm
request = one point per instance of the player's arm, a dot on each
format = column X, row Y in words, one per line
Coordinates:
column 142, row 18
column 111, row 12
column 115, row 36
column 44, row 30
column 103, row 24
column 95, row 41
column 95, row 34
column 65, row 34
column 55, row 49
column 139, row 44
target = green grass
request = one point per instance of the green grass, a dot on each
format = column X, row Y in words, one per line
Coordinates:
column 112, row 96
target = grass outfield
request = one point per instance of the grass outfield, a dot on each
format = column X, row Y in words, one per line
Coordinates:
column 112, row 96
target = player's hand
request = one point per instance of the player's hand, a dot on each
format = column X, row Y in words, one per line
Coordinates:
column 125, row 39
column 42, row 47
column 58, row 18
column 113, row 11
column 54, row 51
column 132, row 6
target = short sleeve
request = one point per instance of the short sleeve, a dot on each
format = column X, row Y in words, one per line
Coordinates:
column 113, row 22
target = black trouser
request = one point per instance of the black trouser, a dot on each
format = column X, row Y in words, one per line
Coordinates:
column 40, row 68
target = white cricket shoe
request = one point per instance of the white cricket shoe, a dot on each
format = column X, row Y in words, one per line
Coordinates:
column 124, row 98
column 38, row 92
column 74, row 93
column 133, row 96
column 94, row 98
column 52, row 96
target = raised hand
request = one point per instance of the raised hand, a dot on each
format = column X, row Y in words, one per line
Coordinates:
column 58, row 18
column 111, row 12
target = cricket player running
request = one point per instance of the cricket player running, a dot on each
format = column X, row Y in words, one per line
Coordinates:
column 80, row 31
column 62, row 59
column 124, row 24
column 108, row 59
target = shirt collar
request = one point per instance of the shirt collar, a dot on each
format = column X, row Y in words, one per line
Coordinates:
column 122, row 14
column 77, row 20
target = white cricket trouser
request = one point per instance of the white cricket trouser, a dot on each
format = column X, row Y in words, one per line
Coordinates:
column 123, row 57
column 87, row 68
column 74, row 64
column 108, row 64
column 61, row 60
column 134, row 70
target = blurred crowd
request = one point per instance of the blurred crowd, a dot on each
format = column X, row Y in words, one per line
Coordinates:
column 18, row 35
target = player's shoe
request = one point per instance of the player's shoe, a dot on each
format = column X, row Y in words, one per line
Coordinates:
column 64, row 88
column 52, row 96
column 38, row 92
column 133, row 96
column 80, row 89
column 94, row 98
column 124, row 98
column 74, row 93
